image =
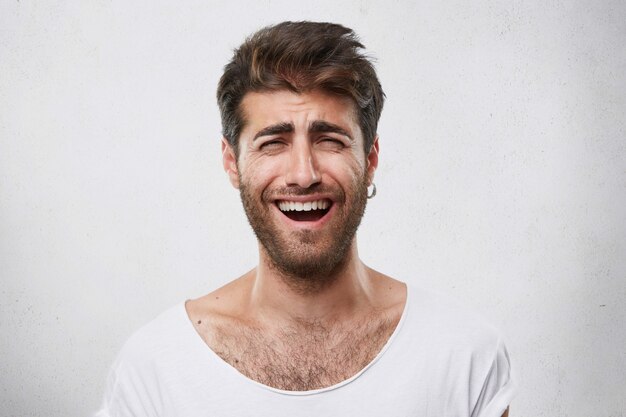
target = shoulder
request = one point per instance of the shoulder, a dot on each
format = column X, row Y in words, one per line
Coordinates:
column 133, row 382
column 459, row 345
column 455, row 337
column 155, row 346
column 156, row 337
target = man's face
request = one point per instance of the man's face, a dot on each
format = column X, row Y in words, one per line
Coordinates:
column 303, row 174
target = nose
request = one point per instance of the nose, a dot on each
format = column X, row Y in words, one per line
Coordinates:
column 303, row 170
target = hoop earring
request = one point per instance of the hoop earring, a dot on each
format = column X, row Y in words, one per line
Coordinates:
column 373, row 193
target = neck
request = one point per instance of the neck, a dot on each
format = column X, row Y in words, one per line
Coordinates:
column 278, row 296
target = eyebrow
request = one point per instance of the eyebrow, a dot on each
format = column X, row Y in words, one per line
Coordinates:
column 317, row 126
column 320, row 126
column 275, row 130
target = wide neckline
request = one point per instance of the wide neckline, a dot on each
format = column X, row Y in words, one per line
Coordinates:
column 214, row 357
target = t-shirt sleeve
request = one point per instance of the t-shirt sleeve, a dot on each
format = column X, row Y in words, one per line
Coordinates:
column 498, row 388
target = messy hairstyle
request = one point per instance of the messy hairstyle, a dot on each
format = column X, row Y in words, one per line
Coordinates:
column 301, row 57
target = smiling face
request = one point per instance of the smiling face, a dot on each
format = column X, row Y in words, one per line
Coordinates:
column 303, row 174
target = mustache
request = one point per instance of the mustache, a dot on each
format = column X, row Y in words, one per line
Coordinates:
column 295, row 190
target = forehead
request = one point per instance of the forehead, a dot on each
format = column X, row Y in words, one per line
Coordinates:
column 261, row 109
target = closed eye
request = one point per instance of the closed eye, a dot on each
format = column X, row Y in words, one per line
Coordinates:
column 272, row 145
column 330, row 141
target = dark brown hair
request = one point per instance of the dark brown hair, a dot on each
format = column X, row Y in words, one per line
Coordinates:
column 300, row 57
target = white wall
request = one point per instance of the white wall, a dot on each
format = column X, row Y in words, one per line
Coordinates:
column 502, row 180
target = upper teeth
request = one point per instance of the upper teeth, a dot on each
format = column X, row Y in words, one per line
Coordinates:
column 298, row 206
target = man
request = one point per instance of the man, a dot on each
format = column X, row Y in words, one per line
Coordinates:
column 311, row 330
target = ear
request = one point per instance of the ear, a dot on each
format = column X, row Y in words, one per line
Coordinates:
column 372, row 161
column 229, row 160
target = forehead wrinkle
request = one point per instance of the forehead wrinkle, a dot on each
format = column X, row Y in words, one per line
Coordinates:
column 299, row 100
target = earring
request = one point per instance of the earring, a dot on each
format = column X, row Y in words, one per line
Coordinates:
column 373, row 193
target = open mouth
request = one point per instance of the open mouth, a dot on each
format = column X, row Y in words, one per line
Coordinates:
column 309, row 211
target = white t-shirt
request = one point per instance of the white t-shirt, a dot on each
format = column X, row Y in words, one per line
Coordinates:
column 441, row 361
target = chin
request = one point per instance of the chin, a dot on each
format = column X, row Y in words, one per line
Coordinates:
column 306, row 261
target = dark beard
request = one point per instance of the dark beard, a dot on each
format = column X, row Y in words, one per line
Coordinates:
column 302, row 265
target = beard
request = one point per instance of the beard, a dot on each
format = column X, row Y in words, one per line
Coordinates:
column 307, row 259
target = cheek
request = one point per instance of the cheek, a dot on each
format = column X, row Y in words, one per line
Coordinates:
column 261, row 171
column 346, row 168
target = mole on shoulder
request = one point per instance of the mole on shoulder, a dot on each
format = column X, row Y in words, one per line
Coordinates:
column 217, row 298
column 199, row 321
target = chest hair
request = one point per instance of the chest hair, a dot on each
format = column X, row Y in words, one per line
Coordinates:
column 300, row 357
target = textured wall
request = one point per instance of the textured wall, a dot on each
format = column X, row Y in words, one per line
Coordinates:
column 502, row 180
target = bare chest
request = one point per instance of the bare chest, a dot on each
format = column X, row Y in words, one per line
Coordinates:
column 299, row 358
